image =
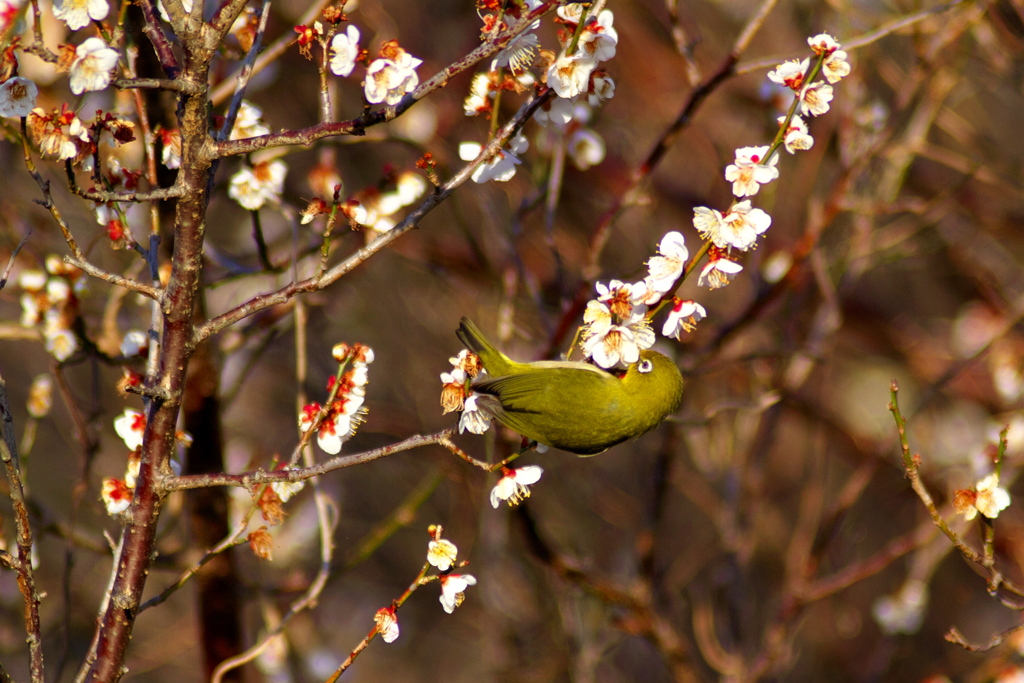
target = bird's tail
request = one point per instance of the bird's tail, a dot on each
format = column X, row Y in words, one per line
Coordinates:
column 494, row 360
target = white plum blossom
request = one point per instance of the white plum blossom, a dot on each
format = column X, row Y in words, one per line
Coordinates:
column 602, row 88
column 479, row 99
column 815, row 98
column 519, row 54
column 453, row 590
column 611, row 344
column 835, row 68
column 441, row 554
column 17, row 97
column 474, row 419
column 388, row 79
column 586, row 148
column 134, row 343
column 254, row 186
column 902, row 612
column 739, row 228
column 514, row 485
column 116, row 496
column 987, row 497
column 748, row 171
column 569, row 75
column 344, row 51
column 796, row 137
column 599, row 39
column 555, row 113
column 130, row 426
column 92, row 66
column 502, row 166
column 790, row 74
column 718, row 269
column 823, row 43
column 248, row 123
column 665, row 268
column 683, row 318
column 78, row 13
column 286, row 489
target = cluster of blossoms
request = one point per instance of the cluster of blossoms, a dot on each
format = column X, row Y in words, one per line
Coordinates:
column 49, row 301
column 255, row 185
column 442, row 554
column 617, row 322
column 337, row 422
column 117, row 494
column 574, row 75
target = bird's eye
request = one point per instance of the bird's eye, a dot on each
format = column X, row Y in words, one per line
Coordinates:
column 645, row 366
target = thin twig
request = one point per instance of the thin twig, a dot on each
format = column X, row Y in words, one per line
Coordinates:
column 26, row 576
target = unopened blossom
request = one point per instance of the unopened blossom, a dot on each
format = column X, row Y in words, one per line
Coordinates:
column 254, row 186
column 823, row 43
column 94, row 61
column 248, row 122
column 569, row 75
column 790, row 74
column 40, row 396
column 116, row 496
column 500, row 167
column 345, row 51
column 513, row 486
column 739, row 228
column 796, row 137
column 748, row 171
column 17, row 97
column 130, row 426
column 815, row 98
column 453, row 587
column 665, row 268
column 835, row 68
column 78, row 13
column 987, row 497
column 479, row 99
column 683, row 318
column 599, row 39
column 389, row 78
column 585, row 148
column 474, row 419
column 134, row 343
column 387, row 624
column 441, row 554
column 718, row 269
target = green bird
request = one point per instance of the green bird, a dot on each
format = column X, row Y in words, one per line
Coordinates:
column 577, row 407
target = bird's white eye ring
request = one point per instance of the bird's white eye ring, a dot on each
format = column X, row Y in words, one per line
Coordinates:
column 645, row 366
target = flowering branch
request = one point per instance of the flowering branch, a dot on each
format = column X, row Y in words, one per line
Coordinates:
column 254, row 478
